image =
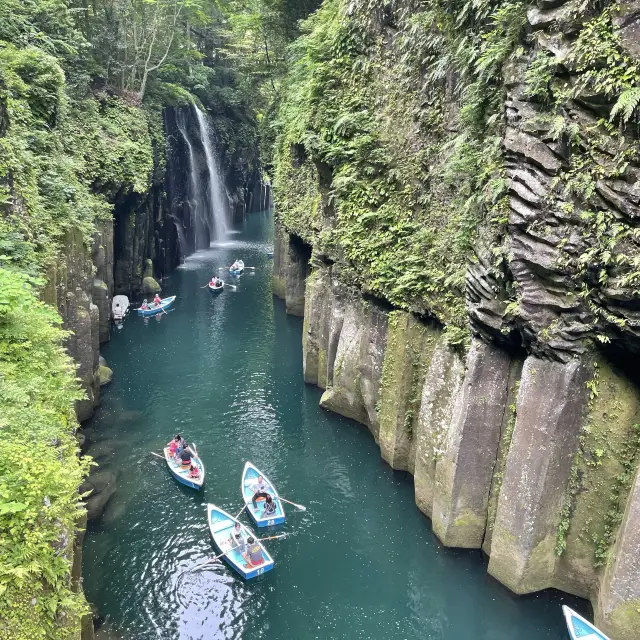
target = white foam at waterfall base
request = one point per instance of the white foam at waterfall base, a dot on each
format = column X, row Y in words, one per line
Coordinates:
column 195, row 261
column 217, row 197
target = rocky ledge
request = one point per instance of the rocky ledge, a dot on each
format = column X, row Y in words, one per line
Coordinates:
column 532, row 459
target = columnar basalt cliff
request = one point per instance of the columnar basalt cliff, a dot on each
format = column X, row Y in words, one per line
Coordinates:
column 469, row 192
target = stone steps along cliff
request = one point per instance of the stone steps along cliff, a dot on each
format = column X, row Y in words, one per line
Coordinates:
column 532, row 459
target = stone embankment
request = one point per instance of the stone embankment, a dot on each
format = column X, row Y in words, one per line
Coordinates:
column 528, row 457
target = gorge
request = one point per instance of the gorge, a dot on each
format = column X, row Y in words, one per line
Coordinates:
column 462, row 248
column 456, row 191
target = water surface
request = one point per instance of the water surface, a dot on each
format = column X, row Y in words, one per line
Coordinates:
column 361, row 562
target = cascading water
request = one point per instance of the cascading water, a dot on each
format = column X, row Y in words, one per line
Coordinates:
column 217, row 198
column 200, row 225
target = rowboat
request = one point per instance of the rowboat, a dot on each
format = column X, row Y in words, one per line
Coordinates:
column 579, row 628
column 239, row 270
column 151, row 311
column 220, row 525
column 249, row 477
column 217, row 289
column 119, row 307
column 181, row 474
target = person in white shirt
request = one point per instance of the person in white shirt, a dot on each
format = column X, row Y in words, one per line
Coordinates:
column 236, row 539
column 259, row 488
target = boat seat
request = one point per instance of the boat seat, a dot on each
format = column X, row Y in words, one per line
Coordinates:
column 221, row 526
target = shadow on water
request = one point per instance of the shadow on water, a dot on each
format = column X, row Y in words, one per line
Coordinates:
column 361, row 562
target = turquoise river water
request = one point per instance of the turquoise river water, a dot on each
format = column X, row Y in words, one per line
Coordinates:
column 361, row 562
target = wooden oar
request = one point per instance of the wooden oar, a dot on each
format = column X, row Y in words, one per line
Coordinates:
column 297, row 506
column 241, row 510
column 157, row 455
column 282, row 535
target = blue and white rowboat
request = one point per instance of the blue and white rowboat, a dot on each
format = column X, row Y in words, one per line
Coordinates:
column 220, row 525
column 579, row 628
column 164, row 304
column 181, row 474
column 249, row 477
column 239, row 270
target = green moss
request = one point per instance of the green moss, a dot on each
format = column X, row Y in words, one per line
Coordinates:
column 322, row 368
column 401, row 198
column 625, row 620
column 410, row 345
column 279, row 288
column 503, row 450
column 603, row 469
column 39, row 502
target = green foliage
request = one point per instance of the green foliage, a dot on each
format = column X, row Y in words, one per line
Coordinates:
column 628, row 459
column 390, row 190
column 39, row 501
column 603, row 66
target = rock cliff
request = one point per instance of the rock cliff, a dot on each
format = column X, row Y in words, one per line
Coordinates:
column 468, row 194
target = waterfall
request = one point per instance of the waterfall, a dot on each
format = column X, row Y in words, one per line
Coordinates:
column 217, row 197
column 196, row 204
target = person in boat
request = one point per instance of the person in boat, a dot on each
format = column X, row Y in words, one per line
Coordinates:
column 144, row 306
column 214, row 282
column 253, row 554
column 194, row 472
column 269, row 507
column 157, row 300
column 173, row 446
column 185, row 456
column 259, row 488
column 179, row 440
column 236, row 265
column 236, row 539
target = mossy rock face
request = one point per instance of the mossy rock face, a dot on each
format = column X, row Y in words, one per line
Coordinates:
column 409, row 347
column 279, row 286
column 148, row 269
column 105, row 374
column 604, row 468
column 149, row 286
